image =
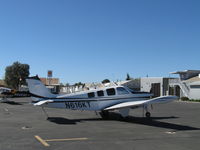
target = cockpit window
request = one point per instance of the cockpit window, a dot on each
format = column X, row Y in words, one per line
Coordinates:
column 122, row 91
column 110, row 91
column 100, row 93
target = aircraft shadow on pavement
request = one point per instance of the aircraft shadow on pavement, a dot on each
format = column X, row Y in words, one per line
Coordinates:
column 12, row 103
column 61, row 120
column 153, row 121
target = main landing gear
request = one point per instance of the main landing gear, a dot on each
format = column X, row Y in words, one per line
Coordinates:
column 147, row 114
column 104, row 114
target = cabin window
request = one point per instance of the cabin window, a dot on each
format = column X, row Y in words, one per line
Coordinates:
column 90, row 95
column 110, row 92
column 100, row 93
column 122, row 91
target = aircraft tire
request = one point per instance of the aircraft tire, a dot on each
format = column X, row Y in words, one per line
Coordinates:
column 148, row 114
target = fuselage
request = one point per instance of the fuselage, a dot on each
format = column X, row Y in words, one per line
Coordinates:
column 97, row 99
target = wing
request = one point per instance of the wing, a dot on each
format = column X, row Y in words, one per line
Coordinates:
column 162, row 99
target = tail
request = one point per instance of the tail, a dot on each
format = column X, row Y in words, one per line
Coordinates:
column 38, row 89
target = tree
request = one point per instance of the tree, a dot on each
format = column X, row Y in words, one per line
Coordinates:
column 61, row 85
column 105, row 81
column 67, row 84
column 16, row 74
column 78, row 84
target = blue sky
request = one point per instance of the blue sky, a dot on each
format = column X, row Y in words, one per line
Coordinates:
column 90, row 40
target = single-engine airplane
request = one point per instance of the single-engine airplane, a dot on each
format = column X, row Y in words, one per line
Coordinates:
column 102, row 100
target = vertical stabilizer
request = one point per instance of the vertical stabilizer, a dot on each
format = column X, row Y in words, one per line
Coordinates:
column 37, row 88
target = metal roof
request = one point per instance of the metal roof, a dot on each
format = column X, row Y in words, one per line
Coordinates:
column 185, row 71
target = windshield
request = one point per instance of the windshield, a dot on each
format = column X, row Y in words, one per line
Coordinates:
column 121, row 91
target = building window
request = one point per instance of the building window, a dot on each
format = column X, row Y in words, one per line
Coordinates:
column 122, row 91
column 90, row 95
column 110, row 91
column 100, row 93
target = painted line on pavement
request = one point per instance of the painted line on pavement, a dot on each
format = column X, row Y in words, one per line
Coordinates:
column 41, row 141
column 44, row 142
column 68, row 139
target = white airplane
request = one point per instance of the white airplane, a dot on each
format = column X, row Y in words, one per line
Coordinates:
column 102, row 100
column 3, row 89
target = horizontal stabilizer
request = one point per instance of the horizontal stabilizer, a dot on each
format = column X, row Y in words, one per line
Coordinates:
column 43, row 102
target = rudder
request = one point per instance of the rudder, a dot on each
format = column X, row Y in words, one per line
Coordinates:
column 37, row 88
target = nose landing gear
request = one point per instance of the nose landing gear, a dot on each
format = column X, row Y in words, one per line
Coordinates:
column 104, row 114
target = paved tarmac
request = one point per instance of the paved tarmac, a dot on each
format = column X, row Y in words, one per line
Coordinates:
column 174, row 126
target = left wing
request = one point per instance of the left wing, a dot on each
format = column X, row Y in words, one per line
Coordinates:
column 162, row 99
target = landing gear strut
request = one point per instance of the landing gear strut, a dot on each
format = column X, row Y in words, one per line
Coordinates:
column 45, row 113
column 104, row 114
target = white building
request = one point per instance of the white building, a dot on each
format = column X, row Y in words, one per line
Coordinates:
column 189, row 83
column 159, row 86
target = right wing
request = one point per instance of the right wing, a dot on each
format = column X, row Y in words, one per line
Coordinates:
column 162, row 99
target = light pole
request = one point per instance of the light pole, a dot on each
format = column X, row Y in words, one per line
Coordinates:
column 20, row 79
